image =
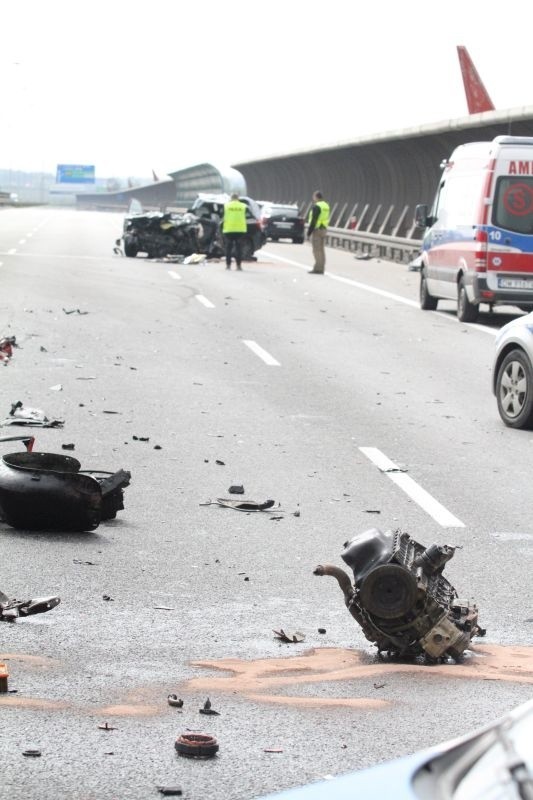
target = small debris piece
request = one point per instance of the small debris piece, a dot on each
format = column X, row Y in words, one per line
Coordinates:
column 74, row 311
column 32, row 753
column 240, row 505
column 393, row 469
column 107, row 727
column 157, row 447
column 236, row 490
column 105, row 411
column 69, row 446
column 175, row 701
column 276, row 519
column 196, row 745
column 273, row 750
column 247, row 578
column 208, row 711
column 220, row 463
column 88, row 563
column 322, row 630
column 372, row 511
column 379, row 685
column 30, row 416
column 57, row 388
column 295, row 513
column 43, row 349
column 4, row 675
column 107, row 597
column 141, row 438
column 291, row 638
column 169, row 791
column 163, row 608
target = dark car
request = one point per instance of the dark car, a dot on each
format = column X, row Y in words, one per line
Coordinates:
column 282, row 222
column 211, row 206
column 162, row 234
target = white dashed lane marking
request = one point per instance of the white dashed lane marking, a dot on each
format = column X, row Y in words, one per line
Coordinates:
column 263, row 355
column 204, row 301
column 411, row 488
column 12, row 251
column 174, row 275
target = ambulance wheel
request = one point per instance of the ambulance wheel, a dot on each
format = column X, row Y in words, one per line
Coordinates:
column 427, row 301
column 466, row 311
column 514, row 390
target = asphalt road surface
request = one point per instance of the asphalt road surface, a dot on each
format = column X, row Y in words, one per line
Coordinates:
column 301, row 385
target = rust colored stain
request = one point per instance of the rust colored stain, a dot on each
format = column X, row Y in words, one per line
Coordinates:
column 32, row 661
column 32, row 703
column 259, row 679
column 128, row 710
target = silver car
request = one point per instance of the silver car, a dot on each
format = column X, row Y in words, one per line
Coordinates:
column 512, row 375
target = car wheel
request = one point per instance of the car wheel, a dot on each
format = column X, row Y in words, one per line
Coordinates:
column 298, row 240
column 466, row 311
column 247, row 249
column 427, row 301
column 274, row 239
column 130, row 246
column 514, row 390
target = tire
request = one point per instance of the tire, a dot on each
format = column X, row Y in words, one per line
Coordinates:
column 247, row 249
column 466, row 311
column 514, row 390
column 427, row 301
column 274, row 239
column 131, row 247
column 298, row 240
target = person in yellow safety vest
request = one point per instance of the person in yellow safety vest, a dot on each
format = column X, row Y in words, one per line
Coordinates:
column 318, row 222
column 234, row 228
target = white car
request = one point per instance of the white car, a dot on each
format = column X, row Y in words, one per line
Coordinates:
column 512, row 374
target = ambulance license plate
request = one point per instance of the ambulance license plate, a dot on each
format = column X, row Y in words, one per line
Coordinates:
column 515, row 283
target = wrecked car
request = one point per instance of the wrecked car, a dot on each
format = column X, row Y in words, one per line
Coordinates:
column 162, row 234
column 48, row 491
column 211, row 207
column 400, row 598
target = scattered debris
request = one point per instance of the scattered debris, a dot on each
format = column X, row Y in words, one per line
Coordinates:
column 69, row 446
column 74, row 311
column 105, row 411
column 363, row 257
column 372, row 511
column 379, row 685
column 7, row 343
column 236, row 490
column 175, row 701
column 208, row 711
column 32, row 753
column 105, row 726
column 290, row 638
column 220, row 463
column 322, row 630
column 108, row 598
column 49, row 491
column 276, row 519
column 33, row 417
column 11, row 609
column 57, row 388
column 141, row 438
column 87, row 563
column 195, row 258
column 273, row 750
column 170, row 791
column 163, row 608
column 400, row 598
column 393, row 469
column 4, row 675
column 295, row 513
column 197, row 745
column 240, row 505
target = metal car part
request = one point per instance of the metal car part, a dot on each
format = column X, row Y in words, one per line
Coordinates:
column 400, row 598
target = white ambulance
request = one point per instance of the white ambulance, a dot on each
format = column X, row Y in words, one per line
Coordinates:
column 478, row 244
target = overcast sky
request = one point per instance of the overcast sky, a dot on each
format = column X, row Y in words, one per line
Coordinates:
column 133, row 86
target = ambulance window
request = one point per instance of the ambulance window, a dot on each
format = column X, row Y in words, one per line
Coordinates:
column 513, row 204
column 462, row 200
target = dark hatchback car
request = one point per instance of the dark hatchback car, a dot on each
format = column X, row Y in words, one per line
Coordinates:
column 282, row 222
column 211, row 206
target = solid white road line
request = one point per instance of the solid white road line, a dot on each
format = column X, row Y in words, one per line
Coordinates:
column 266, row 357
column 412, row 489
column 174, row 275
column 374, row 290
column 204, row 301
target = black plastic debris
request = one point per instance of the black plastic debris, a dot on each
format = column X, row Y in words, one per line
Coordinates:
column 208, row 710
column 175, row 701
column 49, row 491
column 32, row 753
column 220, row 463
column 141, row 438
column 236, row 490
column 196, row 745
column 290, row 638
column 240, row 505
column 68, row 446
column 170, row 791
column 11, row 609
column 74, row 311
column 32, row 417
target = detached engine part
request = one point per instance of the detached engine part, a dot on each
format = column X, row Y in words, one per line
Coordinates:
column 47, row 491
column 400, row 598
column 11, row 609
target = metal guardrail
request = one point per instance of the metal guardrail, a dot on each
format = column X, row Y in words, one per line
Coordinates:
column 374, row 245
